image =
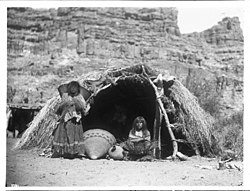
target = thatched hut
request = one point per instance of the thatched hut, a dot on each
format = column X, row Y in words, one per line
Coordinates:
column 175, row 119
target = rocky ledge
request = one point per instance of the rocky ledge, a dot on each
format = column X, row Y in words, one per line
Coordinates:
column 49, row 46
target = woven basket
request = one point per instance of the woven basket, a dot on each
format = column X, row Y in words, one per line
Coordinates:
column 97, row 143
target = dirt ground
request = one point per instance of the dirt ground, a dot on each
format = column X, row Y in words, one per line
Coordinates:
column 27, row 168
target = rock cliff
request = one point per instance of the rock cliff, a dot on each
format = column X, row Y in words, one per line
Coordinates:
column 49, row 46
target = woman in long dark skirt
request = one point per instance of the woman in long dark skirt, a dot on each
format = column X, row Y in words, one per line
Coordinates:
column 68, row 136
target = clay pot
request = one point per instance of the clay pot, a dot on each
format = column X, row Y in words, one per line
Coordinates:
column 116, row 152
column 97, row 143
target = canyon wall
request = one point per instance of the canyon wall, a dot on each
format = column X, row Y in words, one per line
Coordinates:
column 50, row 46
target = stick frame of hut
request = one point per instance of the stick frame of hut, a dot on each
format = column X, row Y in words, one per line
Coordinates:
column 175, row 120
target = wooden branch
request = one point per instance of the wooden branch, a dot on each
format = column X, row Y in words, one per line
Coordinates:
column 159, row 135
column 175, row 145
column 101, row 87
column 157, row 131
column 158, row 99
column 181, row 156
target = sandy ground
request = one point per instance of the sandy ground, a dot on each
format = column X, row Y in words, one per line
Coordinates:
column 27, row 168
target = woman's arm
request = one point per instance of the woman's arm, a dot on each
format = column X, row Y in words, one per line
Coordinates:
column 63, row 106
column 134, row 138
column 147, row 136
column 80, row 103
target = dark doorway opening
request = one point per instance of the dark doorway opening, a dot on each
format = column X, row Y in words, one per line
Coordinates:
column 20, row 118
column 116, row 107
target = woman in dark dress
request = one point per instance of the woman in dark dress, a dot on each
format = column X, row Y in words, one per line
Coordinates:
column 68, row 136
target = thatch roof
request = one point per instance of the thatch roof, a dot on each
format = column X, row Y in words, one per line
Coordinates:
column 131, row 89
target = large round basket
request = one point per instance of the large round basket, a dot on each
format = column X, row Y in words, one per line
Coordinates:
column 97, row 142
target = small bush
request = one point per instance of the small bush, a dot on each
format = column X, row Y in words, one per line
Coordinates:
column 228, row 131
column 205, row 91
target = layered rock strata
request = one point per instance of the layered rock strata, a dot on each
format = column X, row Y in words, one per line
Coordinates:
column 53, row 45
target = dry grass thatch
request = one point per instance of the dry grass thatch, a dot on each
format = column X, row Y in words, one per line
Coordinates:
column 41, row 126
column 196, row 125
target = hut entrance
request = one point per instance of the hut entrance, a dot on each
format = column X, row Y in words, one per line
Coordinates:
column 21, row 115
column 116, row 107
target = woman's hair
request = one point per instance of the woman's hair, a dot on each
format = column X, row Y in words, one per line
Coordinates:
column 144, row 124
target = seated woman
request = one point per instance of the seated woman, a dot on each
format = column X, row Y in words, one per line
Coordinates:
column 138, row 142
column 68, row 136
